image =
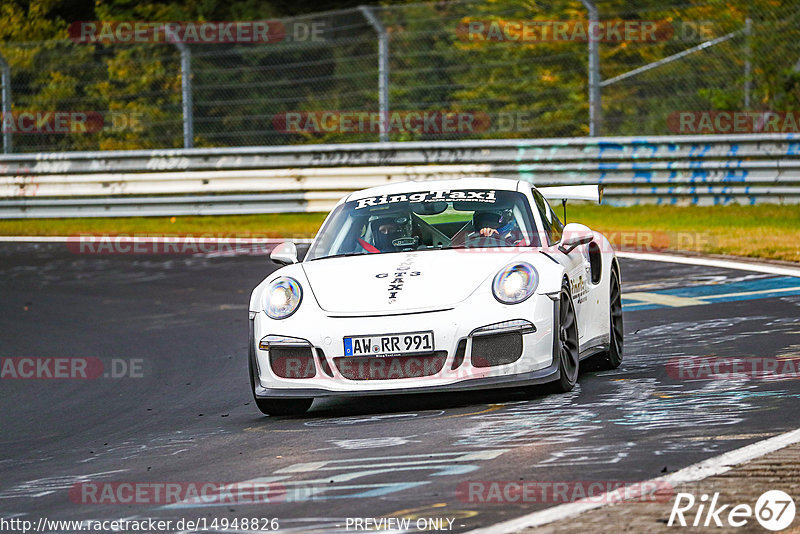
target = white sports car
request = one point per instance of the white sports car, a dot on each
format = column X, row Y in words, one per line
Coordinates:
column 436, row 286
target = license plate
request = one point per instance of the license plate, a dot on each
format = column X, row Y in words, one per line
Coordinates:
column 389, row 344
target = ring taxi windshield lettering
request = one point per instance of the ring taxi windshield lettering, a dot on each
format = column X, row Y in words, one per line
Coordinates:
column 430, row 196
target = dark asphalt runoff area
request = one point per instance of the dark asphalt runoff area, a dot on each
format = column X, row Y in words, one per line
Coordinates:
column 170, row 401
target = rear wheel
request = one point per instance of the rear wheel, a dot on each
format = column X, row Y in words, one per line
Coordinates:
column 612, row 358
column 274, row 406
column 566, row 347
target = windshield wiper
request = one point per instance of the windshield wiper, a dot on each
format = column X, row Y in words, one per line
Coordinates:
column 348, row 254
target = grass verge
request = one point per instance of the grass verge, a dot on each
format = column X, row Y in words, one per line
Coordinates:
column 762, row 231
column 265, row 225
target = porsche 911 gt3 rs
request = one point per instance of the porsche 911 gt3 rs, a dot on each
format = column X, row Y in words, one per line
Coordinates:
column 436, row 286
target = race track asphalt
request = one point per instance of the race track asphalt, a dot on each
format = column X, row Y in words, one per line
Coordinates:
column 175, row 328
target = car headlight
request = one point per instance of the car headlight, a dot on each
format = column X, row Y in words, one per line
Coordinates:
column 515, row 283
column 282, row 297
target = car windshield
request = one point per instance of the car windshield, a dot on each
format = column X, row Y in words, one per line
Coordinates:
column 427, row 220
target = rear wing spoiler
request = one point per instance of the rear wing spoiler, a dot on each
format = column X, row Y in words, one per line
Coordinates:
column 573, row 192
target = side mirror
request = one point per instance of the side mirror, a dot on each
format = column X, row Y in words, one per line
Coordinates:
column 574, row 235
column 284, row 254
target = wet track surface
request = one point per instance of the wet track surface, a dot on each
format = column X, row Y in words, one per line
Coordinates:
column 187, row 413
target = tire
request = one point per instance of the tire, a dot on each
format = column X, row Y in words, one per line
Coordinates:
column 274, row 406
column 566, row 348
column 612, row 358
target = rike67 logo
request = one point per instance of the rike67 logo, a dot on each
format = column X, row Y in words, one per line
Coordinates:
column 774, row 510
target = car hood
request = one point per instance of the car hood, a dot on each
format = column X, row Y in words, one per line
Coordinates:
column 401, row 282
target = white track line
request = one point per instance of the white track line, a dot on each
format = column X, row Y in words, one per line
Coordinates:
column 707, row 468
column 713, row 262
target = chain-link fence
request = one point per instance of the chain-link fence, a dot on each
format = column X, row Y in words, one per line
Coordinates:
column 443, row 70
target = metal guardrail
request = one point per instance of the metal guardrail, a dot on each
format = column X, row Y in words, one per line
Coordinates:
column 675, row 169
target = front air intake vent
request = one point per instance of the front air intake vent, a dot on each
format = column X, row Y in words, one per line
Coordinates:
column 496, row 349
column 292, row 362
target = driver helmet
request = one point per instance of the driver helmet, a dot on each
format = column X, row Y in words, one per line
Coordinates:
column 387, row 229
column 501, row 220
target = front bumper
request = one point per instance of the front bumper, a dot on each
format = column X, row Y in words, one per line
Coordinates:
column 543, row 376
column 325, row 334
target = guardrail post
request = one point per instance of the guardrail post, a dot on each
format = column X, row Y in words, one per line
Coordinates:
column 186, row 89
column 595, row 109
column 383, row 69
column 6, row 103
column 748, row 52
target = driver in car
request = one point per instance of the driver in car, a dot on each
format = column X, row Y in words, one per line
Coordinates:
column 385, row 230
column 499, row 224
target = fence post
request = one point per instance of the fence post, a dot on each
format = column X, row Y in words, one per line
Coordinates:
column 383, row 69
column 748, row 52
column 186, row 88
column 595, row 109
column 6, row 103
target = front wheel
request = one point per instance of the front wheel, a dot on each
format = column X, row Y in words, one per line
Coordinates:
column 565, row 348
